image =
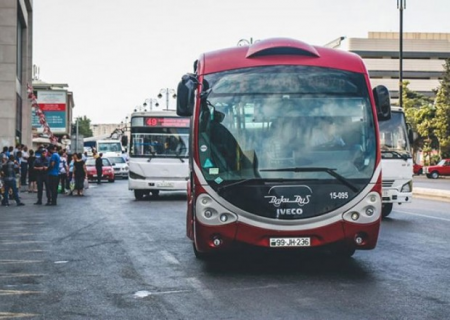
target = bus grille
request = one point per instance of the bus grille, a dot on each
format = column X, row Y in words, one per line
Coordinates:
column 388, row 183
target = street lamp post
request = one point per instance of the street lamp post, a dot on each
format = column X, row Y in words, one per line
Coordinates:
column 151, row 101
column 166, row 92
column 245, row 42
column 401, row 5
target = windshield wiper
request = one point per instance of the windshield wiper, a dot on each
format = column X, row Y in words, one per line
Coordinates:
column 331, row 171
column 243, row 181
column 404, row 156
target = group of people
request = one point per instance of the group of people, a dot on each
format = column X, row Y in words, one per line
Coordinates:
column 49, row 168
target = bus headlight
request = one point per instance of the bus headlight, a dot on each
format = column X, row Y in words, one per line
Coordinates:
column 407, row 187
column 355, row 216
column 134, row 175
column 210, row 212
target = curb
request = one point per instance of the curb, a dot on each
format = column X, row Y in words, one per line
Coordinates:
column 435, row 193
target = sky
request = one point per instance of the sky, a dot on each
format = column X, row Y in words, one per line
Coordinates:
column 117, row 54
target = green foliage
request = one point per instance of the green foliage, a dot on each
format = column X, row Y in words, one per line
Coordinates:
column 84, row 124
column 442, row 120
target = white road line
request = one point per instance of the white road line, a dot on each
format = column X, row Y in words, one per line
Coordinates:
column 423, row 215
column 206, row 293
column 169, row 257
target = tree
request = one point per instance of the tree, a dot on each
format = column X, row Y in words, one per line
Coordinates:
column 421, row 121
column 442, row 119
column 84, row 126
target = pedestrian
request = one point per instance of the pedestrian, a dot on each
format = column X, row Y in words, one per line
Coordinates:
column 41, row 167
column 53, row 174
column 9, row 171
column 63, row 170
column 80, row 173
column 71, row 181
column 24, row 166
column 32, row 186
column 99, row 167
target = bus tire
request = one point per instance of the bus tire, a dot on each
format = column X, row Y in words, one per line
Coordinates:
column 386, row 209
column 200, row 255
column 155, row 193
column 138, row 194
column 344, row 251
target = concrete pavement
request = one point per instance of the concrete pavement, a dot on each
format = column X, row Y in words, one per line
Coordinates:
column 433, row 193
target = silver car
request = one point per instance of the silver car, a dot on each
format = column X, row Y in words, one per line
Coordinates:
column 120, row 167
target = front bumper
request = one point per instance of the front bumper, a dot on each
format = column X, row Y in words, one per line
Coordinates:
column 234, row 234
column 155, row 184
column 391, row 195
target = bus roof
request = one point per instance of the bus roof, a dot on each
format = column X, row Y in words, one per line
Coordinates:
column 159, row 113
column 279, row 51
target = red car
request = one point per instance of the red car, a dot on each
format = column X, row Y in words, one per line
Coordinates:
column 417, row 169
column 441, row 169
column 108, row 170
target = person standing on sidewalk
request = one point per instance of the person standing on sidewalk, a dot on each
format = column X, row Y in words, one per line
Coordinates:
column 24, row 166
column 9, row 170
column 99, row 167
column 63, row 170
column 53, row 174
column 40, row 167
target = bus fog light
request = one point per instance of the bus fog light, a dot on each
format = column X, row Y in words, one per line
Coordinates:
column 223, row 217
column 217, row 241
column 370, row 211
column 359, row 240
column 355, row 216
column 208, row 213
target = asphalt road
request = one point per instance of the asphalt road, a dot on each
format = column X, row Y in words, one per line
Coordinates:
column 107, row 256
column 422, row 181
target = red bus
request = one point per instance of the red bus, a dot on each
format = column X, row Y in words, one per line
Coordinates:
column 285, row 149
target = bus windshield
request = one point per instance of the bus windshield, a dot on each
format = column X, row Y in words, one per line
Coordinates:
column 109, row 146
column 286, row 122
column 393, row 137
column 159, row 137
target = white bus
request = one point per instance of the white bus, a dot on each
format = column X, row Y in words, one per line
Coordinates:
column 396, row 160
column 158, row 155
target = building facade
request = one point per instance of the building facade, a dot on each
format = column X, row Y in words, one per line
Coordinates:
column 16, row 46
column 424, row 55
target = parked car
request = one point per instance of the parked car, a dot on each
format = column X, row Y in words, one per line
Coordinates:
column 417, row 169
column 441, row 169
column 120, row 166
column 107, row 171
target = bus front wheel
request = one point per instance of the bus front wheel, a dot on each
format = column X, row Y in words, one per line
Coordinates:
column 200, row 255
column 386, row 209
column 138, row 194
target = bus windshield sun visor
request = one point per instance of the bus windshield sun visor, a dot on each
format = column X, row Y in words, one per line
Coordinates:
column 330, row 171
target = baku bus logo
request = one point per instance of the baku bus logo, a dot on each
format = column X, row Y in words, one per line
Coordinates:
column 277, row 195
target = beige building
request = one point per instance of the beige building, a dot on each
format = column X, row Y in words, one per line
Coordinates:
column 16, row 46
column 423, row 57
column 104, row 130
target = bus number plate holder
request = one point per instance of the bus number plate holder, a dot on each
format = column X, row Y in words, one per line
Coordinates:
column 290, row 242
column 165, row 184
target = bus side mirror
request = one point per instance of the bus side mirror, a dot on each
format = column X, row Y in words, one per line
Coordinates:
column 186, row 95
column 382, row 102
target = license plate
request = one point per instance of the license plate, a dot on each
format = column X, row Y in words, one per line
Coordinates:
column 165, row 184
column 290, row 242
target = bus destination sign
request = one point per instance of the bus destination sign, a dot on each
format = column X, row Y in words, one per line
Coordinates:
column 167, row 122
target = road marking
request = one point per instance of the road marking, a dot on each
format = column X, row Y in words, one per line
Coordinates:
column 3, row 242
column 19, row 261
column 169, row 257
column 206, row 293
column 16, row 292
column 10, row 315
column 423, row 215
column 20, row 275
